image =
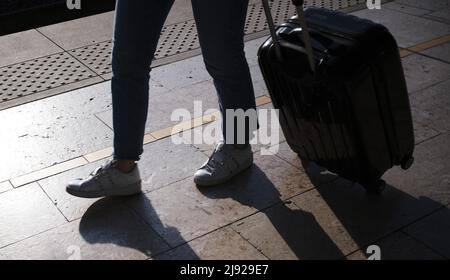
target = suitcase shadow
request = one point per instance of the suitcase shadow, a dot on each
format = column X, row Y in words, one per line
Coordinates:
column 369, row 219
column 353, row 218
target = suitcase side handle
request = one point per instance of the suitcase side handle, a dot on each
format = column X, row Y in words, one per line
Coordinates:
column 305, row 31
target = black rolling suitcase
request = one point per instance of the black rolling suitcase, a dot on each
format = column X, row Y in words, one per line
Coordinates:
column 339, row 85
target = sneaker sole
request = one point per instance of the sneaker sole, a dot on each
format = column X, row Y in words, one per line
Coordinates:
column 128, row 190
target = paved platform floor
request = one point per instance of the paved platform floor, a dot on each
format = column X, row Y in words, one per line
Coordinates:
column 278, row 209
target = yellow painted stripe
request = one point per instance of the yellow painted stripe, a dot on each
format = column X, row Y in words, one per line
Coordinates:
column 107, row 152
column 49, row 171
column 162, row 133
column 148, row 138
column 404, row 53
column 263, row 100
column 424, row 46
column 186, row 125
column 100, row 154
column 168, row 131
column 5, row 186
column 430, row 44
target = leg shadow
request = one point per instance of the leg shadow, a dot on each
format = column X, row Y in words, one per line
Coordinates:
column 112, row 221
column 299, row 229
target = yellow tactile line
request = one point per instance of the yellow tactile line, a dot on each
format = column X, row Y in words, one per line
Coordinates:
column 166, row 132
column 49, row 171
column 106, row 152
column 424, row 46
column 405, row 52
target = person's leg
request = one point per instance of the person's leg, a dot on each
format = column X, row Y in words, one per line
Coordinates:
column 220, row 26
column 137, row 27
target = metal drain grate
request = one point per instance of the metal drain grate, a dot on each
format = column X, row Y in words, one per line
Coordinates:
column 40, row 74
column 59, row 69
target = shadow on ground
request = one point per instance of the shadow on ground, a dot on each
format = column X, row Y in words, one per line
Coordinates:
column 366, row 217
column 105, row 223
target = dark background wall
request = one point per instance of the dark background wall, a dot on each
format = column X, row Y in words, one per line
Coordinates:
column 19, row 15
column 15, row 6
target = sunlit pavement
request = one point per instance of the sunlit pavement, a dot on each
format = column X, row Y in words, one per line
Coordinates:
column 275, row 210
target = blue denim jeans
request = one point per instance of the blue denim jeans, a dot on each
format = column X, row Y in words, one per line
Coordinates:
column 137, row 27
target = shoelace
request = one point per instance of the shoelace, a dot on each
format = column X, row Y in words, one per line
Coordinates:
column 212, row 163
column 99, row 171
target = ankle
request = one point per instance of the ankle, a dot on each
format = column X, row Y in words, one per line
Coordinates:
column 125, row 166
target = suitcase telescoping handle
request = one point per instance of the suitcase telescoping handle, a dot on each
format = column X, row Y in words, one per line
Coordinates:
column 305, row 31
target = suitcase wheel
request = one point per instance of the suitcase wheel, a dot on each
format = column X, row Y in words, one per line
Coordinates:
column 376, row 187
column 407, row 162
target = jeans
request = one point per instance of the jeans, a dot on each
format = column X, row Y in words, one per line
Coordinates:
column 137, row 27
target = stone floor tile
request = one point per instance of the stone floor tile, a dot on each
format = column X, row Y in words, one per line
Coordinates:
column 164, row 163
column 434, row 231
column 223, row 244
column 429, row 177
column 161, row 106
column 37, row 143
column 73, row 34
column 430, row 5
column 290, row 156
column 25, row 212
column 441, row 15
column 181, row 11
column 423, row 132
column 405, row 9
column 55, row 187
column 259, row 84
column 441, row 52
column 251, row 50
column 5, row 186
column 400, row 25
column 422, row 72
column 287, row 231
column 37, row 135
column 181, row 73
column 26, row 45
column 107, row 231
column 431, row 106
column 398, row 246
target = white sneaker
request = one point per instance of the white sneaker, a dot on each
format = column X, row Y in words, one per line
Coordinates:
column 225, row 162
column 106, row 181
